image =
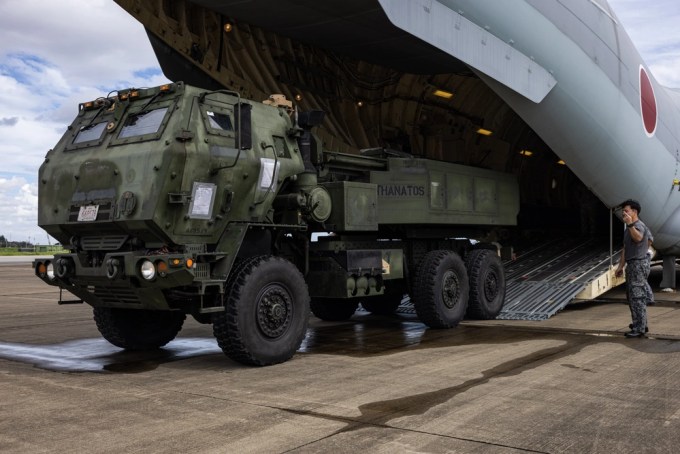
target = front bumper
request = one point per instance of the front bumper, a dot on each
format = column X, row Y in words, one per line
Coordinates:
column 118, row 280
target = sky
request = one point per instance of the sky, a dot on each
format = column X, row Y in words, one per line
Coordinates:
column 57, row 54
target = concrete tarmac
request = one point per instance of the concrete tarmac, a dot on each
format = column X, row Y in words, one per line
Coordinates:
column 571, row 384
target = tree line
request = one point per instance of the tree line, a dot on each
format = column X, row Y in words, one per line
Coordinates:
column 4, row 242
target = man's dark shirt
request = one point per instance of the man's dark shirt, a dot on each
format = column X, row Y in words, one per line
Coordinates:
column 636, row 251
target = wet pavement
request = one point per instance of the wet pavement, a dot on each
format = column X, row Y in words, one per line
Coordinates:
column 572, row 383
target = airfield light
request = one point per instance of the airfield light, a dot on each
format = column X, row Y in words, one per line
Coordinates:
column 484, row 132
column 526, row 153
column 443, row 94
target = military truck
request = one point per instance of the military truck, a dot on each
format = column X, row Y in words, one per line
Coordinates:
column 178, row 201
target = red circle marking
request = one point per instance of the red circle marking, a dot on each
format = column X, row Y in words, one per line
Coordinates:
column 647, row 103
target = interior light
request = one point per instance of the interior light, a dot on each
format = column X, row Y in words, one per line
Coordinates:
column 298, row 97
column 360, row 104
column 443, row 94
column 484, row 132
column 561, row 162
column 526, row 152
column 228, row 27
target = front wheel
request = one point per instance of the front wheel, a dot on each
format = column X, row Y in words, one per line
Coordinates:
column 137, row 329
column 440, row 291
column 265, row 318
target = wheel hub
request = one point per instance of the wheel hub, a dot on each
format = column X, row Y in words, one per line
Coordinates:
column 274, row 311
column 490, row 287
column 450, row 289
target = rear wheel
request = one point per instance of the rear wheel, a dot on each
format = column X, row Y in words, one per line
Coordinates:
column 266, row 312
column 440, row 291
column 334, row 309
column 136, row 329
column 487, row 284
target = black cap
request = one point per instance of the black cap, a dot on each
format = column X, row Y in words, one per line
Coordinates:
column 634, row 204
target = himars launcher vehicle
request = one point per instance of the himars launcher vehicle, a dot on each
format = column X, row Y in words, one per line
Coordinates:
column 473, row 116
column 176, row 200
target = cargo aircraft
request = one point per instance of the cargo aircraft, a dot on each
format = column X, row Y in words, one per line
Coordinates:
column 553, row 91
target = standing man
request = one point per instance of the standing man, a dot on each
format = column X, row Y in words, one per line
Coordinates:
column 636, row 241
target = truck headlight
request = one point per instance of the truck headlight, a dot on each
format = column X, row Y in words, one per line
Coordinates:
column 148, row 270
column 49, row 271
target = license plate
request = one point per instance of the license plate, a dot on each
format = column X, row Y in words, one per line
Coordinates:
column 88, row 213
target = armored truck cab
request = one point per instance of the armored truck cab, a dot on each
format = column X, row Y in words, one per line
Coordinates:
column 176, row 200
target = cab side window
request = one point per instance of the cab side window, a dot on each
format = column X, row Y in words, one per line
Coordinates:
column 219, row 121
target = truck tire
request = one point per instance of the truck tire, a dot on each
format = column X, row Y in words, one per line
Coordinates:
column 136, row 329
column 487, row 284
column 386, row 304
column 441, row 290
column 334, row 309
column 266, row 312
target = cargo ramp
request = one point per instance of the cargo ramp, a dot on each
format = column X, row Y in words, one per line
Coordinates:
column 542, row 281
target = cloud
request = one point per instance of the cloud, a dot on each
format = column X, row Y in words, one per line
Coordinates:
column 652, row 26
column 92, row 41
column 11, row 183
column 9, row 121
column 19, row 208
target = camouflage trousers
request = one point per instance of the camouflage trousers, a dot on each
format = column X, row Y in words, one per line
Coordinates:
column 639, row 292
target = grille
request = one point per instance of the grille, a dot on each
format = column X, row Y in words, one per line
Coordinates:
column 194, row 248
column 103, row 243
column 116, row 295
column 202, row 270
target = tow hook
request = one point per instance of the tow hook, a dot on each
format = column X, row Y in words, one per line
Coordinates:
column 63, row 268
column 112, row 268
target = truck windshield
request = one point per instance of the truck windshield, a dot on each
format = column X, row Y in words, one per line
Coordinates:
column 144, row 123
column 91, row 132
